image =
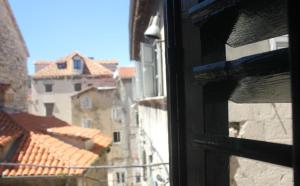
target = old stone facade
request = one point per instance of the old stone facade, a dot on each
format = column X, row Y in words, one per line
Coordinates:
column 55, row 82
column 93, row 108
column 110, row 110
column 13, row 59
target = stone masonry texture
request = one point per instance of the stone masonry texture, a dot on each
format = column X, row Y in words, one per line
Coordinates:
column 13, row 58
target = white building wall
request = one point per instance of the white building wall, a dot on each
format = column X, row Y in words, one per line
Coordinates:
column 154, row 140
column 62, row 90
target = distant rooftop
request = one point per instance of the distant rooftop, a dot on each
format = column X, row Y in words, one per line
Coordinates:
column 125, row 72
column 65, row 67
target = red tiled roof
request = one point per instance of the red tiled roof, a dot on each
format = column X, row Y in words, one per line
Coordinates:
column 110, row 61
column 38, row 146
column 9, row 130
column 37, row 123
column 41, row 149
column 126, row 72
column 84, row 133
column 90, row 68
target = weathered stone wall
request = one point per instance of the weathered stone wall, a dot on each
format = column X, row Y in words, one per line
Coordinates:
column 62, row 91
column 264, row 122
column 13, row 58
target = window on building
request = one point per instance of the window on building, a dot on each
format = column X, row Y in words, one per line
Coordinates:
column 123, row 177
column 117, row 137
column 137, row 118
column 149, row 72
column 77, row 63
column 62, row 65
column 77, row 87
column 49, row 107
column 117, row 114
column 90, row 84
column 48, row 87
column 86, row 122
column 118, row 177
column 144, row 168
column 150, row 158
column 85, row 102
column 138, row 177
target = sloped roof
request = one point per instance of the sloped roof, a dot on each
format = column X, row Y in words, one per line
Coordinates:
column 126, row 72
column 9, row 130
column 107, row 61
column 38, row 146
column 41, row 149
column 93, row 88
column 84, row 133
column 90, row 68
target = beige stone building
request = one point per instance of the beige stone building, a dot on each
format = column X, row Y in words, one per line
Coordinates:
column 109, row 109
column 148, row 56
column 54, row 82
column 13, row 58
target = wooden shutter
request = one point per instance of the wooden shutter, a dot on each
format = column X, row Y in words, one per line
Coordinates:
column 149, row 72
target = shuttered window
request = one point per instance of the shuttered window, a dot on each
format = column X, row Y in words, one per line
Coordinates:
column 149, row 70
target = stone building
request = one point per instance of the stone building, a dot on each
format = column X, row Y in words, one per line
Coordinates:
column 150, row 84
column 109, row 109
column 54, row 82
column 125, row 107
column 13, row 58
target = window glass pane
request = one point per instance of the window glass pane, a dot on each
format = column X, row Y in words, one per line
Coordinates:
column 77, row 86
column 48, row 87
column 49, row 107
column 116, row 136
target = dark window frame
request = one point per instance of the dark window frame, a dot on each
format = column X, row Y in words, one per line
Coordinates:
column 117, row 137
column 200, row 149
column 77, row 63
column 49, row 109
column 48, row 87
column 77, row 87
column 118, row 177
column 62, row 65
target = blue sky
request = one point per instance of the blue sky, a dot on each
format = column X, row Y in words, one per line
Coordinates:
column 55, row 28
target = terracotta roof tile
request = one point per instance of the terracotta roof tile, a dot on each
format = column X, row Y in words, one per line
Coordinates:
column 9, row 130
column 126, row 72
column 38, row 146
column 108, row 61
column 41, row 153
column 95, row 135
column 91, row 68
column 37, row 123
